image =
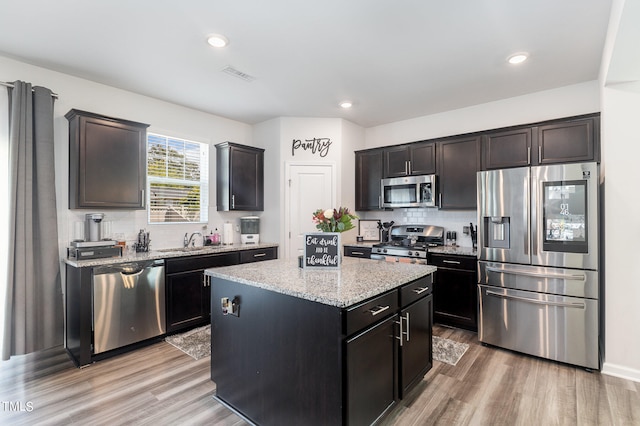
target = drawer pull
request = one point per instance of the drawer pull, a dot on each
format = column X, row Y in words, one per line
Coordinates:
column 420, row 290
column 378, row 309
column 260, row 255
column 455, row 262
column 359, row 253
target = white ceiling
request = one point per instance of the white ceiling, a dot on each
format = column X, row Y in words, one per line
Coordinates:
column 395, row 59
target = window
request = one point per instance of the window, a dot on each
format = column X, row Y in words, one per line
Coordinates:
column 177, row 180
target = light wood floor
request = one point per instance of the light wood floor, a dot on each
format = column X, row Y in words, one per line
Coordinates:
column 160, row 385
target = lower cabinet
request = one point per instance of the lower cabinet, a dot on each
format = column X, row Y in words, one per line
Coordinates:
column 387, row 359
column 286, row 360
column 416, row 352
column 357, row 251
column 455, row 290
column 371, row 367
column 189, row 294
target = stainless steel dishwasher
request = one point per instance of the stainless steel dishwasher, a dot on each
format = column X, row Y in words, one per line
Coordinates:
column 128, row 304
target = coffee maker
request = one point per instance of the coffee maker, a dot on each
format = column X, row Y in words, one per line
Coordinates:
column 93, row 246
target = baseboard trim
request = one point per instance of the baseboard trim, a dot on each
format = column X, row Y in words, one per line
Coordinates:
column 621, row 371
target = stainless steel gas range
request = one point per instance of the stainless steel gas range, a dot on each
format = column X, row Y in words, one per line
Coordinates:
column 409, row 243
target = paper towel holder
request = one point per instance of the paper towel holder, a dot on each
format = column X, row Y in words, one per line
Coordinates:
column 227, row 234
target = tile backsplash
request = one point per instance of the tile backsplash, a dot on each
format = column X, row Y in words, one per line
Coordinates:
column 450, row 220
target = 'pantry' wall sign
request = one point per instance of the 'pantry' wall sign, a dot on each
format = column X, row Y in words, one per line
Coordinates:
column 315, row 145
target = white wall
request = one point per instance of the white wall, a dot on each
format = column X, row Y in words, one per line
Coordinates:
column 557, row 103
column 620, row 109
column 163, row 118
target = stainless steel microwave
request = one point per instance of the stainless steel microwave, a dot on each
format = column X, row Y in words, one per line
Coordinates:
column 409, row 191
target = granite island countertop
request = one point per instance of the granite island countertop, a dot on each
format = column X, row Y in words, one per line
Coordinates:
column 356, row 279
column 128, row 257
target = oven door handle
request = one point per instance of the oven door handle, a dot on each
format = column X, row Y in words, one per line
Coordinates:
column 573, row 277
column 536, row 301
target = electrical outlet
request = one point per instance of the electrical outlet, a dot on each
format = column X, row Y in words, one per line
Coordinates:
column 465, row 230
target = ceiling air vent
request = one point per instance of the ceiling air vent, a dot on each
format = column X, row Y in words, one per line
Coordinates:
column 241, row 75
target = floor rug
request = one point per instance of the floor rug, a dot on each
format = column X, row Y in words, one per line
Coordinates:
column 448, row 351
column 195, row 343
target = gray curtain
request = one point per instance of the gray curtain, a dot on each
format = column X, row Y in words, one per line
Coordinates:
column 33, row 312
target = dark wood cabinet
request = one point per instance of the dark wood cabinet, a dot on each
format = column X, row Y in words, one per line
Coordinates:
column 508, row 148
column 258, row 255
column 397, row 349
column 107, row 162
column 418, row 158
column 371, row 372
column 416, row 353
column 188, row 294
column 455, row 294
column 239, row 177
column 188, row 304
column 330, row 365
column 569, row 141
column 458, row 162
column 368, row 176
column 357, row 251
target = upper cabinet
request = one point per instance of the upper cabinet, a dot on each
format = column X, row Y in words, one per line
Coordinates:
column 507, row 148
column 368, row 176
column 107, row 162
column 458, row 162
column 569, row 140
column 239, row 177
column 418, row 158
column 574, row 140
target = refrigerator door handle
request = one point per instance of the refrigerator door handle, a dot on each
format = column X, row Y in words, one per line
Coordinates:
column 536, row 301
column 573, row 277
column 527, row 216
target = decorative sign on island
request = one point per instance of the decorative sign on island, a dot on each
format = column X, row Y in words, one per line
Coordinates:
column 321, row 250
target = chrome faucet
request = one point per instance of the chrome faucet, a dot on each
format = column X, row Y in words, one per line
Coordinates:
column 189, row 241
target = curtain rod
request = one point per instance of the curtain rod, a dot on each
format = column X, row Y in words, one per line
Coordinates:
column 7, row 84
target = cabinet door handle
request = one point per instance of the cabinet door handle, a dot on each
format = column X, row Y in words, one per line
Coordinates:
column 401, row 332
column 407, row 330
column 379, row 201
column 378, row 309
column 540, row 154
column 260, row 255
column 420, row 290
column 455, row 262
column 233, row 201
column 440, row 200
column 528, row 155
column 409, row 167
column 144, row 199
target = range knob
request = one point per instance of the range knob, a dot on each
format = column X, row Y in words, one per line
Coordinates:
column 409, row 253
column 384, row 250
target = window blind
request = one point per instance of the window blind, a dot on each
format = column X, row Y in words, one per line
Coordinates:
column 177, row 180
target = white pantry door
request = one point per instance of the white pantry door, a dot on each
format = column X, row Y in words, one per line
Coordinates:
column 311, row 186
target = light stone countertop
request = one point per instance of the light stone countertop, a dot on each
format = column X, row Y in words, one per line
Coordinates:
column 165, row 254
column 464, row 251
column 356, row 279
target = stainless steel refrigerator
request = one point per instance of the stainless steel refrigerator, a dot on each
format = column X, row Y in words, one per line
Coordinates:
column 538, row 249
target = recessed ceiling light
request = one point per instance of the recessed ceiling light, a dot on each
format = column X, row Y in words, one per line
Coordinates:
column 217, row 40
column 346, row 104
column 517, row 58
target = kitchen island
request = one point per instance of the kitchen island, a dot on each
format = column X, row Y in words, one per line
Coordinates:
column 319, row 346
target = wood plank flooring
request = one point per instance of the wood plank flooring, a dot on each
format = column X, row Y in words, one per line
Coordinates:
column 160, row 385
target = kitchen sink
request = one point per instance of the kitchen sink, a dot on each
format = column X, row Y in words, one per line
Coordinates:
column 179, row 249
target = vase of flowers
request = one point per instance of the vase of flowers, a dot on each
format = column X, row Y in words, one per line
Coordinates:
column 334, row 220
